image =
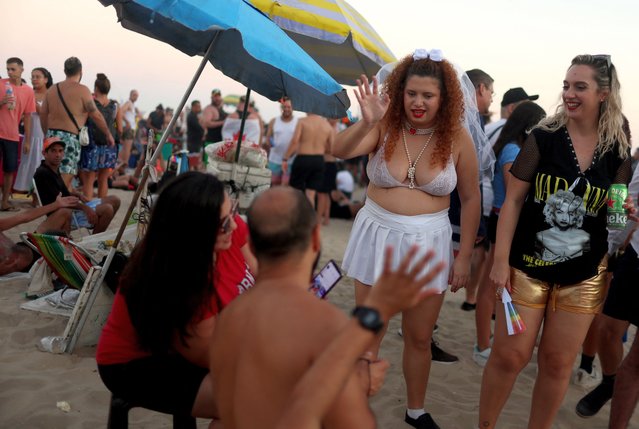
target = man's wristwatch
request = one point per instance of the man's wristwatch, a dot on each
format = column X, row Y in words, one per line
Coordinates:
column 369, row 318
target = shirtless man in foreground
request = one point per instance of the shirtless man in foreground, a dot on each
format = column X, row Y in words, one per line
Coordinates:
column 313, row 138
column 270, row 337
column 314, row 394
column 57, row 123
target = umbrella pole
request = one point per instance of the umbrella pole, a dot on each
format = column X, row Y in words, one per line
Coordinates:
column 241, row 133
column 239, row 136
column 145, row 175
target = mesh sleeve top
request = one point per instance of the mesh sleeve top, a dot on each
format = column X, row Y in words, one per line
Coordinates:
column 561, row 234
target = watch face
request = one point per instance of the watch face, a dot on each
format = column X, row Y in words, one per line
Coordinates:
column 369, row 318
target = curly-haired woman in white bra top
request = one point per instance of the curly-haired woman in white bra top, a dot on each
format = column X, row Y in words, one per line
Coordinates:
column 419, row 151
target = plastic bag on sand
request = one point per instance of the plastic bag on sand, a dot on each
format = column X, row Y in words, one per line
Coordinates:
column 55, row 345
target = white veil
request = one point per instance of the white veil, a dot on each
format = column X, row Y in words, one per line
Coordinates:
column 471, row 118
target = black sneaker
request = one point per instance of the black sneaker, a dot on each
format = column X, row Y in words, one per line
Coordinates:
column 467, row 306
column 590, row 404
column 439, row 355
column 425, row 421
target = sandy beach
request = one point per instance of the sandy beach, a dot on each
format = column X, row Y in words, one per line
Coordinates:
column 33, row 382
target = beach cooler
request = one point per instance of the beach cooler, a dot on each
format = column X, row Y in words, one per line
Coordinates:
column 251, row 175
column 249, row 181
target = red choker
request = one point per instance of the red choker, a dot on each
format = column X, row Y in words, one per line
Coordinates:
column 419, row 131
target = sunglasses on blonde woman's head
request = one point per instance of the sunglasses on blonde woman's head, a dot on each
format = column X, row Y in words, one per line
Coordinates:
column 226, row 223
column 607, row 60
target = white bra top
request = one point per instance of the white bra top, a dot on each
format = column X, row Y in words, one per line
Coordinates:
column 442, row 185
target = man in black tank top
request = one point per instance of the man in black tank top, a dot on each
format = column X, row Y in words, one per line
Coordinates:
column 214, row 116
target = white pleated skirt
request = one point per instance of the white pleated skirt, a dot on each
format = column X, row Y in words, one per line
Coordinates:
column 375, row 228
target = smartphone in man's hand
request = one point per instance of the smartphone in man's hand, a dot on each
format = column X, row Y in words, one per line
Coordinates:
column 327, row 278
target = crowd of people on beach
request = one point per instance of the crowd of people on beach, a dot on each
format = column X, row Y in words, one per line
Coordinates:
column 44, row 148
column 514, row 211
column 548, row 253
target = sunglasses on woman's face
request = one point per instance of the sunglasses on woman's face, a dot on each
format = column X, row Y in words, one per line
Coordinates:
column 226, row 223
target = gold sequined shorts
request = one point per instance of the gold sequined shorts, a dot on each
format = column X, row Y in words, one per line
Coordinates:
column 586, row 297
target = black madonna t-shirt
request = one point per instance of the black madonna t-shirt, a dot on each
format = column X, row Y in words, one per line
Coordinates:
column 561, row 235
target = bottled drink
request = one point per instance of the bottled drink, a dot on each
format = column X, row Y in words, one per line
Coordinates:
column 617, row 216
column 9, row 91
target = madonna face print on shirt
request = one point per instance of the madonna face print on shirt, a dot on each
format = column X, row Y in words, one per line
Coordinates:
column 565, row 239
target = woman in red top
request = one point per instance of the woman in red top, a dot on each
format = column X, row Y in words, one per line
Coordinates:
column 154, row 347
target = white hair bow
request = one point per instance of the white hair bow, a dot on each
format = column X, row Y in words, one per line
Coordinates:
column 434, row 54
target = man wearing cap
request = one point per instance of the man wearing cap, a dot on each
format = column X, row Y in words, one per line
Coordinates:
column 65, row 123
column 18, row 257
column 213, row 117
column 49, row 183
column 512, row 98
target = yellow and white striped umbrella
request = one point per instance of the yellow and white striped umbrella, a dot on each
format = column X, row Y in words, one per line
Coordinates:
column 333, row 33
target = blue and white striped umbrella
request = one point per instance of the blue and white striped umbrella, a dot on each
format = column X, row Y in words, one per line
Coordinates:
column 247, row 47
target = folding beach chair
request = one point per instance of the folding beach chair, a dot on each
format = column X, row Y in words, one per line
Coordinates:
column 68, row 260
column 79, row 269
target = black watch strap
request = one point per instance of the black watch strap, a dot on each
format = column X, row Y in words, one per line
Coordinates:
column 369, row 318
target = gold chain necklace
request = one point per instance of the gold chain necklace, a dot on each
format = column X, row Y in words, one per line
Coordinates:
column 411, row 165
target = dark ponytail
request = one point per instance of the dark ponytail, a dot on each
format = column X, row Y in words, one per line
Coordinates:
column 102, row 83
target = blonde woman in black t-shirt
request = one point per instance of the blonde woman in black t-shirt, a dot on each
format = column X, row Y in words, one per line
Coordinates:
column 571, row 157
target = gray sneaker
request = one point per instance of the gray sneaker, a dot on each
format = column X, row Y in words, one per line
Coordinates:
column 481, row 357
column 586, row 379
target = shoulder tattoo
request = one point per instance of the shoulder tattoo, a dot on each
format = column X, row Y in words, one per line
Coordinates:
column 89, row 106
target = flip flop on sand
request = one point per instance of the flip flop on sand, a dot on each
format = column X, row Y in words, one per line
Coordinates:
column 9, row 209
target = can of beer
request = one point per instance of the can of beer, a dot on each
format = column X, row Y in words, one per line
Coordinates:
column 617, row 216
